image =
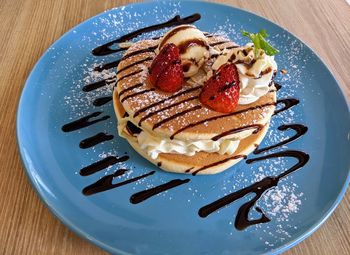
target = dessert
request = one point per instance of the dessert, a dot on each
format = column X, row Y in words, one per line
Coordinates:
column 195, row 103
column 214, row 74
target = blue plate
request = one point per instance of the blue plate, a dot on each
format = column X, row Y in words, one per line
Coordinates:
column 169, row 223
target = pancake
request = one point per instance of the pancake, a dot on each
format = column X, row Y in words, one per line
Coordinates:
column 154, row 110
column 201, row 162
column 181, row 115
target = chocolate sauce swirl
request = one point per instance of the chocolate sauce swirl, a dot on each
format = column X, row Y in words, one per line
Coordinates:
column 178, row 94
column 166, row 108
column 219, row 43
column 134, row 64
column 130, row 74
column 146, row 194
column 83, row 122
column 185, row 46
column 94, row 140
column 277, row 86
column 137, row 52
column 176, row 115
column 105, row 183
column 191, row 125
column 137, row 85
column 98, row 84
column 232, row 47
column 171, row 33
column 255, row 127
column 298, row 128
column 132, row 129
column 287, row 102
column 102, row 164
column 106, row 49
column 102, row 101
column 137, row 93
column 107, row 66
column 113, row 64
column 215, row 164
column 242, row 219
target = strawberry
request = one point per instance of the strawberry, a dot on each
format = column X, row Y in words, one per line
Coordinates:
column 166, row 69
column 221, row 91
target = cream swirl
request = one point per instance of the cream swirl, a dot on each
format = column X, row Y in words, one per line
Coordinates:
column 193, row 47
column 154, row 145
column 255, row 71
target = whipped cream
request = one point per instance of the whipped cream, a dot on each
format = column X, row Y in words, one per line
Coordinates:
column 255, row 73
column 193, row 45
column 154, row 145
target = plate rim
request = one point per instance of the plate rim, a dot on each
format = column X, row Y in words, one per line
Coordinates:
column 71, row 226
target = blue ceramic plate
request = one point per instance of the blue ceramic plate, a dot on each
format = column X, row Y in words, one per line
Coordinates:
column 169, row 223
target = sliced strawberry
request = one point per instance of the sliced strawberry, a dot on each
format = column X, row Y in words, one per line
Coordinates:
column 170, row 80
column 221, row 91
column 164, row 71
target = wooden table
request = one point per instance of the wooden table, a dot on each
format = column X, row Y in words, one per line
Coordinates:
column 29, row 27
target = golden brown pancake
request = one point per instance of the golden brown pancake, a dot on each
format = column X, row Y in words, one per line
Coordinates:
column 181, row 115
column 201, row 162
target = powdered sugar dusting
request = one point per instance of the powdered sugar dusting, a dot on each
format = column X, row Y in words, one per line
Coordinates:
column 280, row 203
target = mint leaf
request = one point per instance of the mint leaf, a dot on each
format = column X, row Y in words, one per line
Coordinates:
column 260, row 42
column 263, row 33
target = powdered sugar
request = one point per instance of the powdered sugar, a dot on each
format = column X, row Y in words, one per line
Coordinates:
column 281, row 202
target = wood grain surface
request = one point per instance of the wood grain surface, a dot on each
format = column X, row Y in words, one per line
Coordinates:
column 29, row 27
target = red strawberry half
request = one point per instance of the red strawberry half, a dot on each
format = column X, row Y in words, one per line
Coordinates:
column 166, row 69
column 221, row 91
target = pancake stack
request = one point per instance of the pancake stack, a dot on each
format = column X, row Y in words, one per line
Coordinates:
column 147, row 115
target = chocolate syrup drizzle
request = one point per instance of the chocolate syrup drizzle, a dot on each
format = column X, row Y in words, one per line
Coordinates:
column 107, row 66
column 242, row 219
column 216, row 164
column 298, row 128
column 171, row 33
column 105, row 183
column 256, row 127
column 137, row 52
column 102, row 164
column 132, row 129
column 83, row 122
column 130, row 88
column 232, row 47
column 181, row 93
column 287, row 102
column 219, row 117
column 176, row 115
column 130, row 74
column 134, row 64
column 259, row 188
column 98, row 84
column 94, row 140
column 166, row 108
column 102, row 100
column 137, row 93
column 106, row 49
column 146, row 194
column 218, row 43
column 113, row 64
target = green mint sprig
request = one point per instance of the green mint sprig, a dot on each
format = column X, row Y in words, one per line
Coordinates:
column 260, row 42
